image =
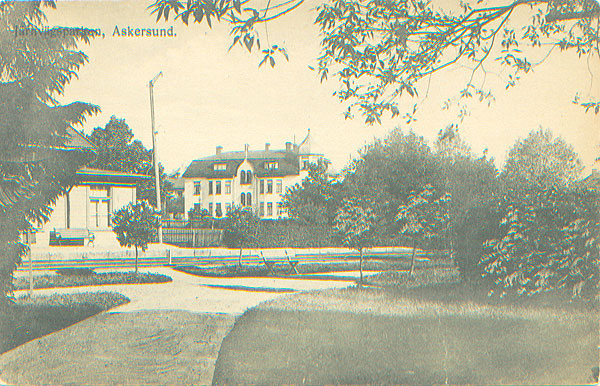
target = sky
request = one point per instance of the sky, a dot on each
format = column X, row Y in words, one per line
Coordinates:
column 210, row 95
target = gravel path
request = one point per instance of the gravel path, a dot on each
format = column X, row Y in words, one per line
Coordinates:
column 203, row 294
column 169, row 334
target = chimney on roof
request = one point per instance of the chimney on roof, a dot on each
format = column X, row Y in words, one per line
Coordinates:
column 246, row 148
column 219, row 150
column 288, row 147
column 267, row 145
column 296, row 148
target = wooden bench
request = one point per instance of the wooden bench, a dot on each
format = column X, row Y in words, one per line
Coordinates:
column 270, row 264
column 73, row 236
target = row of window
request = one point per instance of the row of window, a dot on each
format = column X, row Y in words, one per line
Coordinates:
column 247, row 198
column 265, row 186
column 269, row 209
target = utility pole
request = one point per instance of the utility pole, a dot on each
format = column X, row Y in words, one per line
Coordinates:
column 155, row 156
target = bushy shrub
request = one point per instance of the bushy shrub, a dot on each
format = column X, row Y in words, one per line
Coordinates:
column 75, row 272
column 549, row 240
column 292, row 234
column 58, row 281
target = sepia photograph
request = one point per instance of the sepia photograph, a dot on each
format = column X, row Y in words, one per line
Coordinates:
column 299, row 192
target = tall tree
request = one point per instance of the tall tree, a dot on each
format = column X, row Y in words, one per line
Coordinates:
column 473, row 184
column 316, row 199
column 355, row 224
column 36, row 63
column 542, row 161
column 380, row 50
column 549, row 232
column 388, row 170
column 118, row 151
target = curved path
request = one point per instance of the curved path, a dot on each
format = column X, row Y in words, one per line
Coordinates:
column 169, row 333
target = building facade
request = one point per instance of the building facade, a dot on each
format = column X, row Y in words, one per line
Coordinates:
column 88, row 207
column 254, row 179
column 82, row 216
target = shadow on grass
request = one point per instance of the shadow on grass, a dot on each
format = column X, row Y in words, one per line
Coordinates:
column 328, row 347
column 249, row 289
column 28, row 319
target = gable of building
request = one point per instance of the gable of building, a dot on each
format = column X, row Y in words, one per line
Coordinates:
column 287, row 164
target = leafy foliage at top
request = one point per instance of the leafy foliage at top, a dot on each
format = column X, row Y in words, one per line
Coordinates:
column 379, row 50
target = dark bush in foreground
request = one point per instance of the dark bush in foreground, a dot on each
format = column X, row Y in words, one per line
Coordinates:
column 27, row 319
column 57, row 281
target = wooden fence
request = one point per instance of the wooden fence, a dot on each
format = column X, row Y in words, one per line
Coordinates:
column 193, row 238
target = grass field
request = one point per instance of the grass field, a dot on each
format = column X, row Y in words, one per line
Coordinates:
column 31, row 318
column 377, row 336
column 89, row 278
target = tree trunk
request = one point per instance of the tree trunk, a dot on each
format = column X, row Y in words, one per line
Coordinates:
column 412, row 259
column 136, row 259
column 360, row 266
column 240, row 259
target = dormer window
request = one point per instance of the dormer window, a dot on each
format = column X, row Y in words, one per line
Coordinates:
column 217, row 167
column 271, row 165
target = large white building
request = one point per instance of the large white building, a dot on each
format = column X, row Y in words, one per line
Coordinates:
column 255, row 179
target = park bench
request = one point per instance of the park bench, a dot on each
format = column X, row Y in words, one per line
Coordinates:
column 73, row 236
column 274, row 260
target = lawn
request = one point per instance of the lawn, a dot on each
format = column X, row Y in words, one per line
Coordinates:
column 140, row 348
column 31, row 318
column 435, row 334
column 282, row 269
column 86, row 277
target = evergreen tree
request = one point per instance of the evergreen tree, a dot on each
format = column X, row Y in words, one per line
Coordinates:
column 36, row 63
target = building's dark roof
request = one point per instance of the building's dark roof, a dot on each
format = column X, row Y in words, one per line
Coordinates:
column 78, row 140
column 75, row 140
column 593, row 180
column 177, row 183
column 203, row 168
